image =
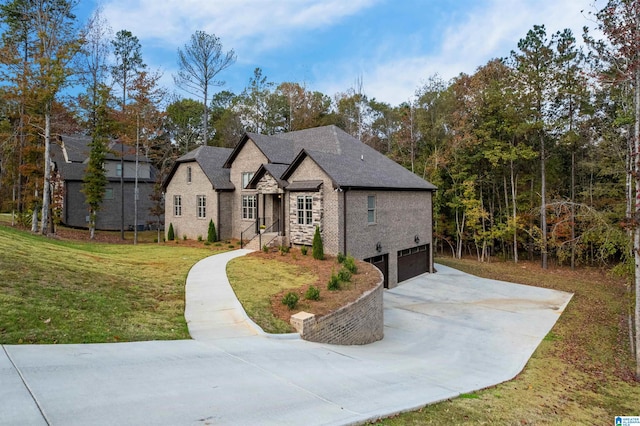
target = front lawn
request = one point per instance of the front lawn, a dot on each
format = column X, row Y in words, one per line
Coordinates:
column 54, row 291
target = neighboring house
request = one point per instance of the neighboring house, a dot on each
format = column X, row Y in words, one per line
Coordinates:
column 70, row 156
column 365, row 204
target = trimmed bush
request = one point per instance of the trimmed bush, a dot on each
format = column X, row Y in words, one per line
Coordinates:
column 313, row 293
column 341, row 257
column 199, row 238
column 283, row 250
column 350, row 265
column 334, row 283
column 170, row 234
column 344, row 275
column 291, row 300
column 212, row 236
column 317, row 248
column 304, row 250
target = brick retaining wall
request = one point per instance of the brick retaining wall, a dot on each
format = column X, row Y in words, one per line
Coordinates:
column 358, row 323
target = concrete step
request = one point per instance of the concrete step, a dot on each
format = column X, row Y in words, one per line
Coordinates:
column 257, row 242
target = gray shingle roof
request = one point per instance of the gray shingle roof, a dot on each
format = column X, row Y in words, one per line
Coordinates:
column 71, row 171
column 351, row 163
column 211, row 159
column 346, row 160
column 76, row 147
column 304, row 185
column 277, row 149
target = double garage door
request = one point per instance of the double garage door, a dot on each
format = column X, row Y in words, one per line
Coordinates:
column 413, row 262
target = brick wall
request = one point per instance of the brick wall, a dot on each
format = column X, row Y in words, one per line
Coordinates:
column 358, row 323
column 188, row 224
column 400, row 217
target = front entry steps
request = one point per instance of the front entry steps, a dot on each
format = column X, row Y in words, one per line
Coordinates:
column 268, row 238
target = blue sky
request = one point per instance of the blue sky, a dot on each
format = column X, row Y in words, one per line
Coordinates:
column 393, row 46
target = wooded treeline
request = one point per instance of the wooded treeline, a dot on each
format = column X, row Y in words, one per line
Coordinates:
column 532, row 154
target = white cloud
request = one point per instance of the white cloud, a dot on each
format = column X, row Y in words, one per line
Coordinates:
column 392, row 69
column 263, row 23
column 488, row 31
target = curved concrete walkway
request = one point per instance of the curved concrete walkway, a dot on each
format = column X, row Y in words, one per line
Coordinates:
column 213, row 311
column 445, row 334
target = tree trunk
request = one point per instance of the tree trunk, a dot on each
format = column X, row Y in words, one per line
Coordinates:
column 636, row 239
column 92, row 224
column 46, row 190
column 573, row 207
column 515, row 218
column 205, row 117
column 543, row 202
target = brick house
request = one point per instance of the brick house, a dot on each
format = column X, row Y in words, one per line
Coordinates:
column 70, row 156
column 365, row 204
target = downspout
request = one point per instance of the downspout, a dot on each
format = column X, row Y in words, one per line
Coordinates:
column 344, row 221
column 431, row 268
column 218, row 213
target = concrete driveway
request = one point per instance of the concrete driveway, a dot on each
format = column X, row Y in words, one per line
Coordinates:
column 445, row 334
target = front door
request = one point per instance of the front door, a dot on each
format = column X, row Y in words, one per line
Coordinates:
column 276, row 213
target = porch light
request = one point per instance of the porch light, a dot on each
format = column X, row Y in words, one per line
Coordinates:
column 416, row 239
column 378, row 246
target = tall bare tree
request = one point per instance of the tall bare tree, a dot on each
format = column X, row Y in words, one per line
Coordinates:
column 533, row 63
column 94, row 104
column 128, row 65
column 201, row 60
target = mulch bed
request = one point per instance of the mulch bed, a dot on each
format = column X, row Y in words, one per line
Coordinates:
column 364, row 280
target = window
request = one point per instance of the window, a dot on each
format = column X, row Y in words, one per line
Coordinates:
column 246, row 178
column 202, row 206
column 248, row 207
column 305, row 210
column 108, row 193
column 177, row 205
column 371, row 209
column 118, row 169
column 189, row 174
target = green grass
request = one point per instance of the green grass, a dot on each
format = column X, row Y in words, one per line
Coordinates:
column 582, row 372
column 255, row 281
column 54, row 291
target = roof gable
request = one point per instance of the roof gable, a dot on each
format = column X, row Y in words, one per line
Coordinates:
column 277, row 149
column 274, row 170
column 211, row 160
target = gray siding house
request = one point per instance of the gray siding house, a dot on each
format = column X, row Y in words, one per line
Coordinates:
column 365, row 204
column 70, row 156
